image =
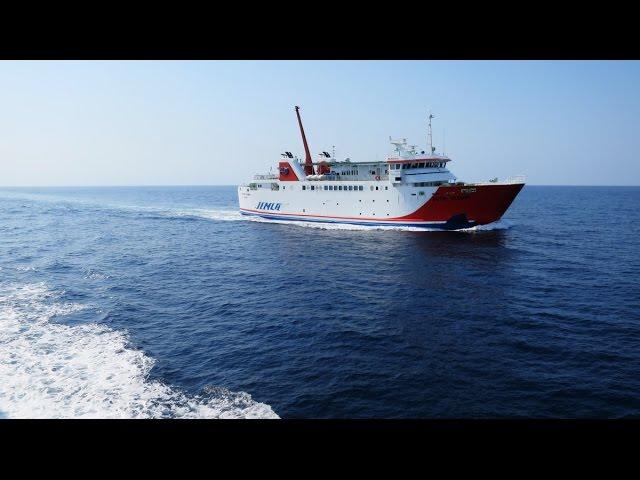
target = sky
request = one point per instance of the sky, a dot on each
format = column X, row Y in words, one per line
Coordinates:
column 74, row 123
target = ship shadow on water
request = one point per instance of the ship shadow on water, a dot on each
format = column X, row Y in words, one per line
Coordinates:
column 460, row 245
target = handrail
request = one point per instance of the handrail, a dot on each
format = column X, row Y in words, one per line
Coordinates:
column 271, row 176
column 516, row 179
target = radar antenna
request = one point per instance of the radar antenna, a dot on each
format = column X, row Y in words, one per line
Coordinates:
column 399, row 145
column 431, row 149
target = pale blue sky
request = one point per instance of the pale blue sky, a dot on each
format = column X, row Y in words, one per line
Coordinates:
column 219, row 122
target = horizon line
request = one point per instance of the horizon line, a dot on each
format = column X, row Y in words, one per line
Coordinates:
column 236, row 185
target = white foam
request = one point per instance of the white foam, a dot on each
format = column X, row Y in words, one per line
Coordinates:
column 222, row 215
column 25, row 268
column 52, row 370
column 499, row 225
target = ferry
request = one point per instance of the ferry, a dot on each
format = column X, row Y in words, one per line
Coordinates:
column 408, row 189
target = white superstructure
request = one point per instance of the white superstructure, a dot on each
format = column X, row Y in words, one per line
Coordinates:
column 408, row 188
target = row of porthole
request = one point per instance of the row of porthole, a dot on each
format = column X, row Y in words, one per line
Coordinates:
column 350, row 188
column 373, row 214
column 360, row 200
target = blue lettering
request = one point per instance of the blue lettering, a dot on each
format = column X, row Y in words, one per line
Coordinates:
column 268, row 206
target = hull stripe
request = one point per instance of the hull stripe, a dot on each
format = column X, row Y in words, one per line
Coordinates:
column 344, row 220
column 392, row 219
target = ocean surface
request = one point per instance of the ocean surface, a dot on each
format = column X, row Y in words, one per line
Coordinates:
column 165, row 302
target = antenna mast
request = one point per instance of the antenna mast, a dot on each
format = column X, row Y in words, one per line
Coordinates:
column 430, row 135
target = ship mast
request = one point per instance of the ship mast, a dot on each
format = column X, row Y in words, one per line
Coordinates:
column 308, row 163
column 431, row 149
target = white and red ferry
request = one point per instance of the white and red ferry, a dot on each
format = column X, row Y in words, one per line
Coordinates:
column 410, row 188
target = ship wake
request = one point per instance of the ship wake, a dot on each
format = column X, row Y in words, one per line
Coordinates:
column 53, row 370
column 499, row 225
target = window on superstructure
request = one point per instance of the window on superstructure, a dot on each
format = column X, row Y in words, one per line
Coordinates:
column 312, row 187
column 304, row 187
column 421, row 165
column 325, row 187
column 360, row 188
column 350, row 187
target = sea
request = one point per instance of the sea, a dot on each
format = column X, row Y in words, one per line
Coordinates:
column 165, row 302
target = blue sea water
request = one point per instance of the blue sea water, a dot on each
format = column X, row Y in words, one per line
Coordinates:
column 165, row 302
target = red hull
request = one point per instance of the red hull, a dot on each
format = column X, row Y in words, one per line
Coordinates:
column 480, row 204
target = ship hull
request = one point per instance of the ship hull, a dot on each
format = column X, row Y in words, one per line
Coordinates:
column 450, row 207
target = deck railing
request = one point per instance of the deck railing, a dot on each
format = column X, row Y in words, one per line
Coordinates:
column 516, row 179
column 271, row 176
